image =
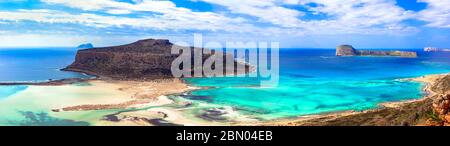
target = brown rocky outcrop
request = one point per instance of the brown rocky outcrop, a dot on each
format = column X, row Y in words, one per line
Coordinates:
column 346, row 50
column 142, row 60
column 441, row 114
column 442, row 85
column 441, row 102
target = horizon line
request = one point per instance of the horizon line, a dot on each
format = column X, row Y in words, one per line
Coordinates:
column 72, row 47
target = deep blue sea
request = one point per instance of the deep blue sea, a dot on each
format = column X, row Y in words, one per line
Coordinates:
column 36, row 64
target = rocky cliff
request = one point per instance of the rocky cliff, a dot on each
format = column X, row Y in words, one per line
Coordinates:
column 441, row 103
column 142, row 60
column 348, row 50
column 442, row 85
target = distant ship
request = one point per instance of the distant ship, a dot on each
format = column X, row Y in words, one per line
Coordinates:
column 434, row 49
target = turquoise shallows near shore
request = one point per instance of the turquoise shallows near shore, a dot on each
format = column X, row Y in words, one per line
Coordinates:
column 6, row 91
column 315, row 81
column 311, row 82
column 296, row 97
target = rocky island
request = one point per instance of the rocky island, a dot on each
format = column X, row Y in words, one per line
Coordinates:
column 348, row 50
column 142, row 60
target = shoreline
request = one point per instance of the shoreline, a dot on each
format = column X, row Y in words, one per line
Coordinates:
column 59, row 82
column 427, row 80
column 168, row 116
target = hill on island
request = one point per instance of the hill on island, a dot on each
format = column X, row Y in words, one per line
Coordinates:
column 142, row 60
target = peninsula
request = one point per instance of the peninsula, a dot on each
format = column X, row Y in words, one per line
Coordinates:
column 147, row 59
column 348, row 50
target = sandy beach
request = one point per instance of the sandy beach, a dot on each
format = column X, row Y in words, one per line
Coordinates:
column 96, row 97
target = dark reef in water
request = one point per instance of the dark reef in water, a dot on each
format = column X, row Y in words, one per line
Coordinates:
column 142, row 60
column 43, row 119
column 348, row 50
column 215, row 114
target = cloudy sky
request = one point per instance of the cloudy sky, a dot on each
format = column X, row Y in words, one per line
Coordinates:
column 293, row 23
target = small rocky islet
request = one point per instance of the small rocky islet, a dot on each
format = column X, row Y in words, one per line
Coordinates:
column 348, row 50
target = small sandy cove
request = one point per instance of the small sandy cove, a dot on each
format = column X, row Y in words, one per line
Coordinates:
column 124, row 94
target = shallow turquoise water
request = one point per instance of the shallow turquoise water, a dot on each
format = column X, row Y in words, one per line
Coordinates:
column 6, row 91
column 315, row 81
column 306, row 96
column 32, row 65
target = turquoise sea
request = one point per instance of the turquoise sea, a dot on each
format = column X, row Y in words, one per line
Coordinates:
column 315, row 81
column 311, row 80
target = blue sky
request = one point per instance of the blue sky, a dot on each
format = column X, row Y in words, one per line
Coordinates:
column 293, row 23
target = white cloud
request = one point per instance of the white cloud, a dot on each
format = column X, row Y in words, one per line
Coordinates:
column 86, row 4
column 350, row 15
column 155, row 14
column 118, row 11
column 361, row 12
column 240, row 20
column 342, row 16
column 265, row 10
column 165, row 8
column 437, row 14
column 160, row 22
